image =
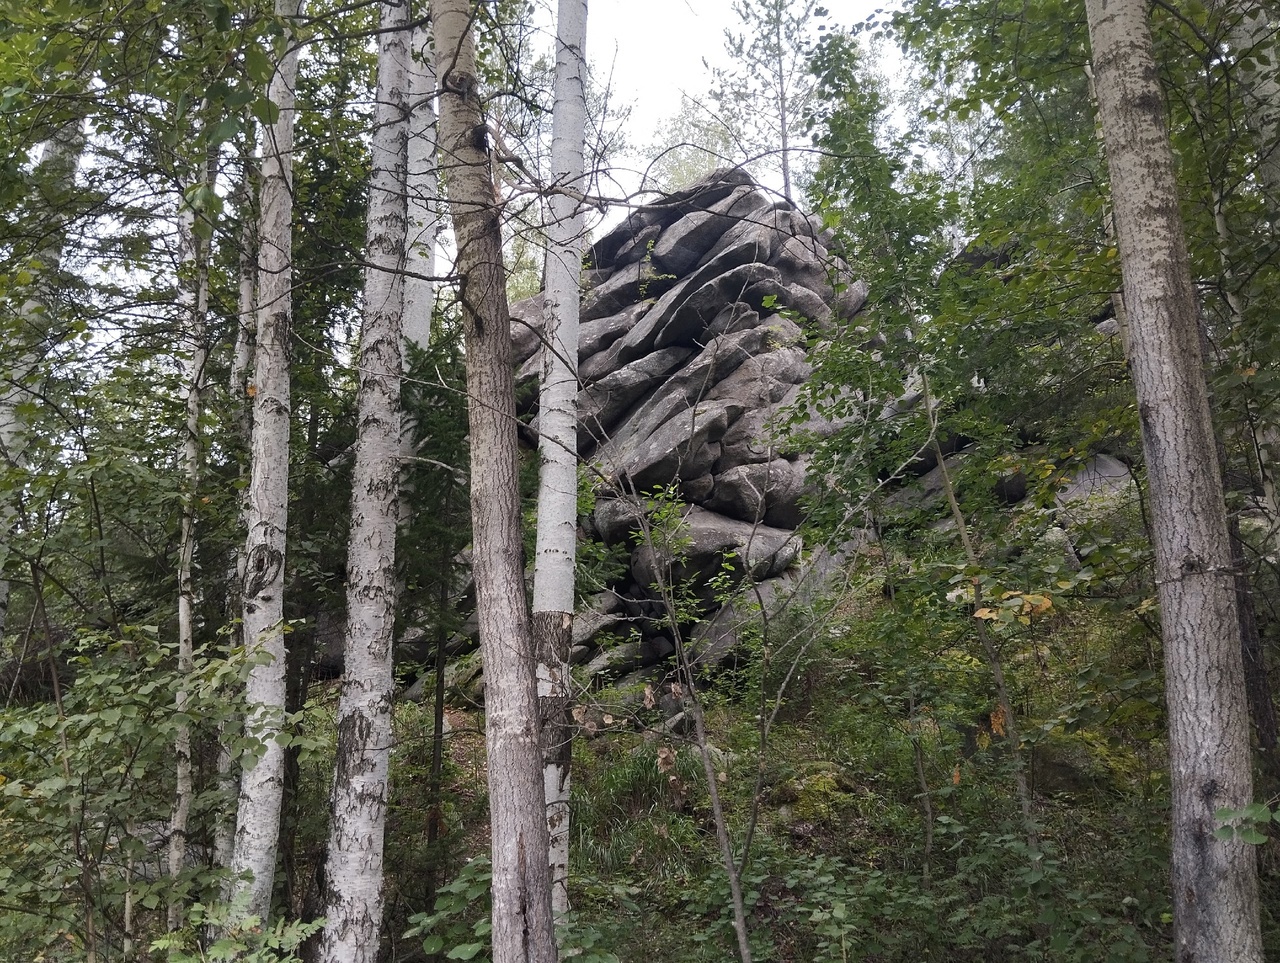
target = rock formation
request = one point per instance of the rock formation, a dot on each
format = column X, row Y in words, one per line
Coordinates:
column 696, row 314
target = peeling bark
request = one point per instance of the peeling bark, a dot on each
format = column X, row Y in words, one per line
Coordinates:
column 553, row 584
column 253, row 858
column 358, row 807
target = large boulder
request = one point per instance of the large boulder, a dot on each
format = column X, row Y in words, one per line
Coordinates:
column 698, row 312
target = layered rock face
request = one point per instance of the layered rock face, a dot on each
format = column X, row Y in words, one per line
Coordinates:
column 696, row 313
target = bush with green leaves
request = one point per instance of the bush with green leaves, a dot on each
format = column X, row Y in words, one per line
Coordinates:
column 459, row 927
column 87, row 789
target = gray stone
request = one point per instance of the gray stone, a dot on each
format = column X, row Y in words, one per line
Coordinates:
column 692, row 315
column 697, row 489
column 760, row 434
column 615, row 660
column 602, row 404
column 686, row 242
column 733, row 317
column 667, row 322
column 850, row 297
column 764, row 491
column 773, row 293
column 639, row 247
column 706, row 539
column 765, row 378
column 595, row 336
column 678, row 448
column 526, row 328
column 617, row 518
column 590, row 625
column 628, row 284
column 1102, row 476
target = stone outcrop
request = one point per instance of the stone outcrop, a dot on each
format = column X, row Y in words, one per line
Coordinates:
column 696, row 316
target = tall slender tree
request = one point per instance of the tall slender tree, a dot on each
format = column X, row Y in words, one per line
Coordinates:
column 553, row 578
column 764, row 95
column 253, row 858
column 1215, row 894
column 423, row 191
column 193, row 266
column 522, row 921
column 357, row 826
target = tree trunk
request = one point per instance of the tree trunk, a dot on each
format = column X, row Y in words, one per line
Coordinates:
column 194, row 287
column 19, row 368
column 553, row 583
column 423, row 190
column 358, row 812
column 253, row 858
column 522, row 927
column 242, row 426
column 1215, row 891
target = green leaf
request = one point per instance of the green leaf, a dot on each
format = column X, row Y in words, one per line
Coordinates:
column 466, row 951
column 224, row 130
column 257, row 64
column 265, row 110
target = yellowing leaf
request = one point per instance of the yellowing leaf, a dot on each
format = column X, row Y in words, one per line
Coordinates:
column 986, row 613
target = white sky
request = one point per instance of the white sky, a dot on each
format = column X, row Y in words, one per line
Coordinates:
column 653, row 52
column 656, row 48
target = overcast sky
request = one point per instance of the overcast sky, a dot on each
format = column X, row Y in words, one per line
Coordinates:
column 656, row 49
column 654, row 52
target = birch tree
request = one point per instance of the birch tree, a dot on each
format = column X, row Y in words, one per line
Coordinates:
column 423, row 191
column 353, row 868
column 522, row 922
column 553, row 581
column 1215, row 890
column 193, row 282
column 253, row 857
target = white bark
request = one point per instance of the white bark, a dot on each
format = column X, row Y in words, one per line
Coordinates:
column 242, row 359
column 522, row 922
column 1215, row 892
column 253, row 859
column 193, row 282
column 19, row 369
column 553, row 585
column 353, row 868
column 423, row 189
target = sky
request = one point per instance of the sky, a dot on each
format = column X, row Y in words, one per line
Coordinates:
column 654, row 51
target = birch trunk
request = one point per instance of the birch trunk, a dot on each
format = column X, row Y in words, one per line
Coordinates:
column 553, row 583
column 19, row 370
column 423, row 192
column 242, row 425
column 253, row 859
column 358, row 812
column 194, row 303
column 522, row 923
column 1215, row 891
